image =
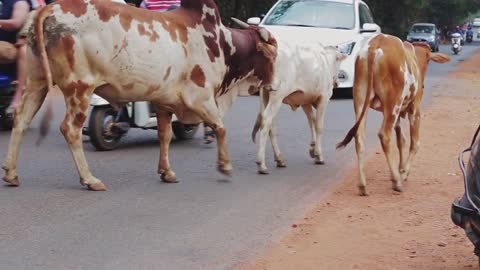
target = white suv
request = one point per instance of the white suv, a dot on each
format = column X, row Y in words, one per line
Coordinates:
column 342, row 23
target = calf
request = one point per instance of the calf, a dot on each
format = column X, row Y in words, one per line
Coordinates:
column 305, row 75
column 389, row 77
column 180, row 61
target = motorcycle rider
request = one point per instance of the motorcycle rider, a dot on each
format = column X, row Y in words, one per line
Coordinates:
column 13, row 53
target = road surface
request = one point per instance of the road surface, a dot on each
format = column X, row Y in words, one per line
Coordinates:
column 206, row 221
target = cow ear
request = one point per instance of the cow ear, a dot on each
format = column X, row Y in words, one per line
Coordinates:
column 264, row 34
column 439, row 58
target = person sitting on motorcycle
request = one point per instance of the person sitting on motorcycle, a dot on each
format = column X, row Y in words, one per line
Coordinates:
column 13, row 53
column 159, row 5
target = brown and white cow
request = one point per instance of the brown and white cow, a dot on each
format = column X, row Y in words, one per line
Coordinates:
column 389, row 77
column 180, row 61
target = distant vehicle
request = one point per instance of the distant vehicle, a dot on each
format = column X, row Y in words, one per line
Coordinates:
column 342, row 23
column 425, row 32
column 456, row 43
column 466, row 210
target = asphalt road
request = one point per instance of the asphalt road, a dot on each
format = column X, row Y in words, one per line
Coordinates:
column 206, row 221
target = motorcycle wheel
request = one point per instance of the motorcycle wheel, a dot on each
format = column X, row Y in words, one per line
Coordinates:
column 184, row 132
column 100, row 119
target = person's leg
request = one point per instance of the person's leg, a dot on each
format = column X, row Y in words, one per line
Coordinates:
column 21, row 73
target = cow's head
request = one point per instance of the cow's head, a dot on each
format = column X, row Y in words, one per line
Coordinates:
column 424, row 54
column 266, row 46
column 334, row 59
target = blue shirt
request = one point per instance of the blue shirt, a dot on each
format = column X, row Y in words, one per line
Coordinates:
column 6, row 13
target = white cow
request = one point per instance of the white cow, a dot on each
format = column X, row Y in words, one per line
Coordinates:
column 305, row 76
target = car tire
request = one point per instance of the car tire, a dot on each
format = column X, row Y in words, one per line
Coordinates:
column 183, row 131
column 343, row 93
column 96, row 127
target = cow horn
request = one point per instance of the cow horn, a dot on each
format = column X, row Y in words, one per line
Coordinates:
column 240, row 23
column 264, row 34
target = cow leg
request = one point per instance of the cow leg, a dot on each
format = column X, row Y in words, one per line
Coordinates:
column 164, row 121
column 276, row 149
column 71, row 128
column 311, row 123
column 320, row 119
column 401, row 145
column 414, row 119
column 385, row 136
column 267, row 117
column 360, row 149
column 30, row 102
column 210, row 114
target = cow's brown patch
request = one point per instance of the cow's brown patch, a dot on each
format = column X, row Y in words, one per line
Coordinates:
column 197, row 76
column 78, row 88
column 126, row 21
column 69, row 42
column 77, row 8
column 167, row 74
column 79, row 119
column 141, row 30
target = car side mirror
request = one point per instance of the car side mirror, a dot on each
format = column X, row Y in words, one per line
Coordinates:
column 370, row 28
column 254, row 21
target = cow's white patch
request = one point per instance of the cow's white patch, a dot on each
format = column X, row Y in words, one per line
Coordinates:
column 378, row 53
column 410, row 80
column 364, row 52
column 206, row 10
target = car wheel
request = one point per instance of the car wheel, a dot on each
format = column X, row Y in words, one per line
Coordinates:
column 183, row 131
column 343, row 93
column 100, row 120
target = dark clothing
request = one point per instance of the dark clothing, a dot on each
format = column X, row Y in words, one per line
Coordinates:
column 7, row 12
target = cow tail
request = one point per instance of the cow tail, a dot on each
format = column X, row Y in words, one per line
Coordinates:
column 264, row 98
column 353, row 132
column 40, row 39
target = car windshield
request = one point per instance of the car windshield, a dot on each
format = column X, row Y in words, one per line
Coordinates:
column 313, row 13
column 422, row 29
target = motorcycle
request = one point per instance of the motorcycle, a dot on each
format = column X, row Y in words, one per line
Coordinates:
column 456, row 42
column 7, row 91
column 465, row 211
column 470, row 36
column 106, row 126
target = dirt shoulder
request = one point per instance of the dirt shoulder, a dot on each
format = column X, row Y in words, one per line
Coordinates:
column 386, row 230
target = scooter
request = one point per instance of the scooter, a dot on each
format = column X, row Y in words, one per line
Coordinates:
column 106, row 126
column 456, row 42
column 469, row 36
column 7, row 91
column 465, row 211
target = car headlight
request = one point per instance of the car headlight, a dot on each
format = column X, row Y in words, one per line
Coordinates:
column 409, row 38
column 346, row 48
column 431, row 39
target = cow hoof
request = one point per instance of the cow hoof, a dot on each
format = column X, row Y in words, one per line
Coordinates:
column 363, row 191
column 169, row 177
column 320, row 162
column 281, row 164
column 225, row 169
column 12, row 181
column 99, row 186
column 397, row 187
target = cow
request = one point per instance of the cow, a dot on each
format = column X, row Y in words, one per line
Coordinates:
column 180, row 61
column 389, row 78
column 305, row 75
